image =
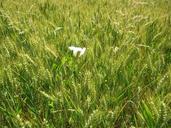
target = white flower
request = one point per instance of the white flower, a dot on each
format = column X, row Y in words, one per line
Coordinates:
column 116, row 49
column 77, row 50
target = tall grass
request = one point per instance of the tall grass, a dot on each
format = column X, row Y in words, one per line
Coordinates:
column 43, row 85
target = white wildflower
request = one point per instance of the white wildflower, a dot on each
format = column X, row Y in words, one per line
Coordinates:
column 77, row 50
column 116, row 49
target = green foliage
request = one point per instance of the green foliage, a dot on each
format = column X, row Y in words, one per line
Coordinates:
column 122, row 80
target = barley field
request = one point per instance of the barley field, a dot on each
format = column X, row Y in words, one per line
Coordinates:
column 122, row 79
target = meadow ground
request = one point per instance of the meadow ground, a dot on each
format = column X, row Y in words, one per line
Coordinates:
column 122, row 80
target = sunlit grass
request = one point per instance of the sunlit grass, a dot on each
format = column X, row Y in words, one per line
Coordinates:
column 122, row 79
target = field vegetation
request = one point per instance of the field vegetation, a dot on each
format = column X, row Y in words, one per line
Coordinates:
column 123, row 80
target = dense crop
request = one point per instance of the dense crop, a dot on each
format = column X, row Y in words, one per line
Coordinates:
column 122, row 80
